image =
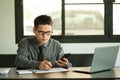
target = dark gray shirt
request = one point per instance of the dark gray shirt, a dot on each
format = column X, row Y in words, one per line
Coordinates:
column 28, row 53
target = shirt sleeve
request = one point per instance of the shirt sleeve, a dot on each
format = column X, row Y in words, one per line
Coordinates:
column 22, row 58
column 61, row 53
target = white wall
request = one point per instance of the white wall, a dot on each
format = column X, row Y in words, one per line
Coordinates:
column 7, row 34
column 7, row 27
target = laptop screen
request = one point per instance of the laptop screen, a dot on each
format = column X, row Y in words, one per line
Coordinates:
column 104, row 58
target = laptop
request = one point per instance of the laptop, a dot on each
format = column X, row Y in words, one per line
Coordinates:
column 4, row 70
column 104, row 59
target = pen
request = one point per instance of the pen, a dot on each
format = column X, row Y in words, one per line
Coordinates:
column 48, row 62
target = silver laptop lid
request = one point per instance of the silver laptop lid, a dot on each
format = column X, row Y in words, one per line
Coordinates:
column 104, row 58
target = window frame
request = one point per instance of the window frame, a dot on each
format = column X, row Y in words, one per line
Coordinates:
column 108, row 25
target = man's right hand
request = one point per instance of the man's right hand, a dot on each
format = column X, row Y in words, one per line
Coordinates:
column 45, row 65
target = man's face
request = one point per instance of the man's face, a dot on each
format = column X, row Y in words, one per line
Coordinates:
column 43, row 33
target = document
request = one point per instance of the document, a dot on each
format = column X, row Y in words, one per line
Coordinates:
column 4, row 70
column 42, row 71
column 51, row 70
column 24, row 71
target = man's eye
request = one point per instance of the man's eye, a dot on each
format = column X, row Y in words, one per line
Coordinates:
column 40, row 31
column 48, row 32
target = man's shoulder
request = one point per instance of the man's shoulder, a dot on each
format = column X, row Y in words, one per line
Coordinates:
column 54, row 41
column 26, row 39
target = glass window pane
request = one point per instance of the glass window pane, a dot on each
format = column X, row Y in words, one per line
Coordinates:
column 34, row 8
column 117, row 1
column 116, row 19
column 84, row 19
column 83, row 1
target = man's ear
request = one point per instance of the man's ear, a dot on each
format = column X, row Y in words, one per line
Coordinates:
column 34, row 29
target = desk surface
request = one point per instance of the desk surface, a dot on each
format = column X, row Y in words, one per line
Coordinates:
column 112, row 74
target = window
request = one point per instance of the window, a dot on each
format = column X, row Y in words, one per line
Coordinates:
column 83, row 17
column 73, row 20
column 116, row 18
column 38, row 7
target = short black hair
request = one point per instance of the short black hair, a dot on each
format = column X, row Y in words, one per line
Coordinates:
column 42, row 19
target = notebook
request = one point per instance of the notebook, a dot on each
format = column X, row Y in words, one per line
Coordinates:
column 4, row 70
column 104, row 59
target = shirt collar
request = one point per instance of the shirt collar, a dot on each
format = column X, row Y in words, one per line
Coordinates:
column 46, row 44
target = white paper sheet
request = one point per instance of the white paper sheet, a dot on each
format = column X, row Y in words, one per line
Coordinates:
column 52, row 70
column 23, row 71
column 42, row 71
column 4, row 70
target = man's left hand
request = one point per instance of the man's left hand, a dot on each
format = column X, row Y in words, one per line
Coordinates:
column 62, row 63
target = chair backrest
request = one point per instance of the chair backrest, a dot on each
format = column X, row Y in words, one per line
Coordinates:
column 77, row 60
column 7, row 60
column 81, row 60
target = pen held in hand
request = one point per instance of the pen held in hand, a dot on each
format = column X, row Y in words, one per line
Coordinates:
column 47, row 62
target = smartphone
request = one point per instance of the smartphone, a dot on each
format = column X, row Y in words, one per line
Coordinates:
column 65, row 56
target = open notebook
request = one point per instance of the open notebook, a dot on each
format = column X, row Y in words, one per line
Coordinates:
column 4, row 70
column 104, row 59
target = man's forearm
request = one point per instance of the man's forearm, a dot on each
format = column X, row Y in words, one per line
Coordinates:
column 31, row 64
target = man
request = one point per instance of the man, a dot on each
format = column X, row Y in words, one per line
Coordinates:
column 41, row 51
